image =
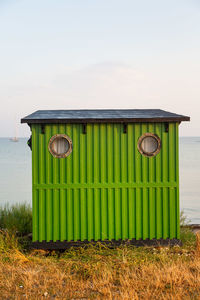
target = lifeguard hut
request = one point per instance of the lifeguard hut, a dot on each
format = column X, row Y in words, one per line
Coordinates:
column 104, row 175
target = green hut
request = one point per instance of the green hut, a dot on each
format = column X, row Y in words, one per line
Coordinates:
column 104, row 175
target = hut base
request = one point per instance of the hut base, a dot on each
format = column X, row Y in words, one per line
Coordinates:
column 58, row 245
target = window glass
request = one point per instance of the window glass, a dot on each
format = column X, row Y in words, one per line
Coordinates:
column 149, row 144
column 60, row 145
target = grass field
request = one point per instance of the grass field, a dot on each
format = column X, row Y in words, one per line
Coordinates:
column 97, row 272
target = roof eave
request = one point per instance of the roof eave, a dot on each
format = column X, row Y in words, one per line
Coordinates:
column 117, row 120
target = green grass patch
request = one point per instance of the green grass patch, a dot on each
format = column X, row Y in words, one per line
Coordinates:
column 16, row 219
column 187, row 237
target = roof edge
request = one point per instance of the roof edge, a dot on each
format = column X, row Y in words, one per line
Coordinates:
column 117, row 120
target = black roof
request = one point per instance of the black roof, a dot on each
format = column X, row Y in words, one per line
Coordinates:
column 103, row 116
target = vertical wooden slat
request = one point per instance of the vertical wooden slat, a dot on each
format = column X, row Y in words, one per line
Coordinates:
column 41, row 207
column 158, row 161
column 104, row 212
column 139, row 218
column 111, row 214
column 131, row 151
column 177, row 214
column 152, row 215
column 165, row 158
column 47, row 158
column 172, row 213
column 49, row 216
column 56, row 215
column 69, row 159
column 117, row 169
column 172, row 146
column 76, row 153
column 90, row 210
column 124, row 154
column 159, row 225
column 82, row 152
column 165, row 213
column 63, row 216
column 104, row 215
column 103, row 151
column 89, row 153
column 35, row 154
column 35, row 209
column 110, row 152
column 97, row 215
column 146, row 213
column 117, row 214
column 144, row 160
column 177, row 180
column 125, row 216
column 83, row 211
column 97, row 163
column 76, row 213
column 137, row 156
column 70, row 215
column 131, row 212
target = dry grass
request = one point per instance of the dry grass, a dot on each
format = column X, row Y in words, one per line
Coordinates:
column 100, row 273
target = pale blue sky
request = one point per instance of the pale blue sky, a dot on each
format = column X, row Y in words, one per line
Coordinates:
column 106, row 54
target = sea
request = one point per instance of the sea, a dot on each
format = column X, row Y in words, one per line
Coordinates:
column 15, row 174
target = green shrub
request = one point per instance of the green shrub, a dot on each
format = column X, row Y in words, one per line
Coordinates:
column 187, row 236
column 16, row 218
column 184, row 221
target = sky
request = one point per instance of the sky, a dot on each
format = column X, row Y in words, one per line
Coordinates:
column 88, row 54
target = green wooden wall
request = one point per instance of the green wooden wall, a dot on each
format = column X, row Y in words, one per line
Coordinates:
column 105, row 189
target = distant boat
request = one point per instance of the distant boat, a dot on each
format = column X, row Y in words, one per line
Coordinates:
column 14, row 139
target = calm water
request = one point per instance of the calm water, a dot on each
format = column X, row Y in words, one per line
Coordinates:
column 15, row 174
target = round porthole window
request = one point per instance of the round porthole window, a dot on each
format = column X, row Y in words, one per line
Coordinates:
column 60, row 145
column 149, row 144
